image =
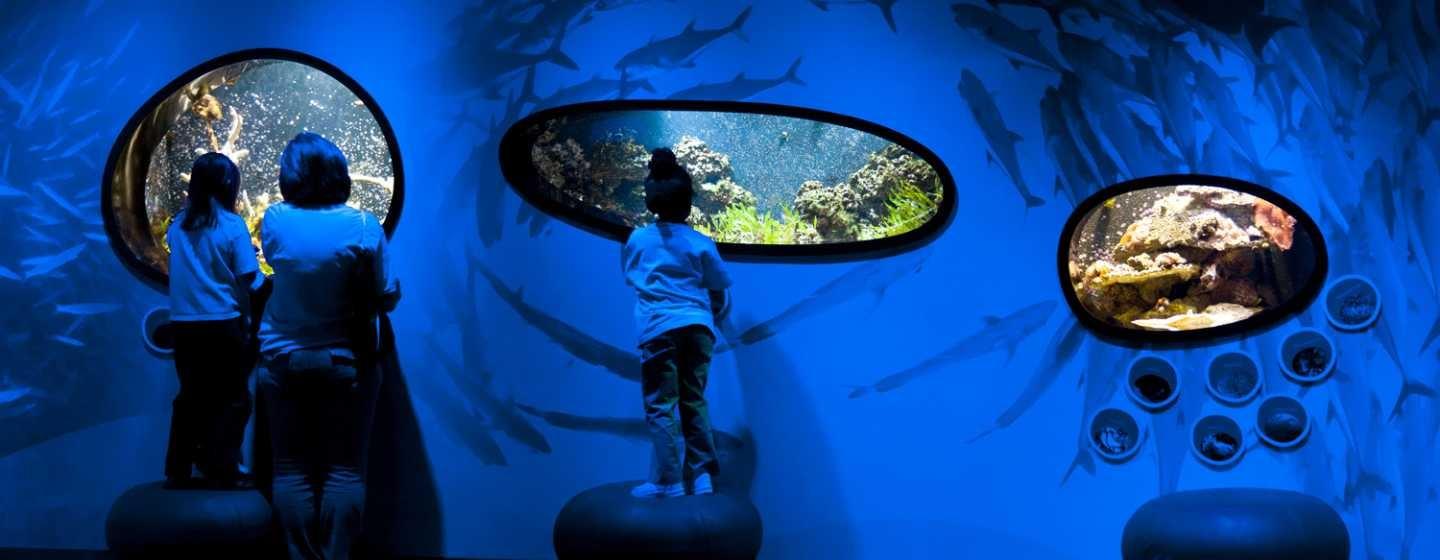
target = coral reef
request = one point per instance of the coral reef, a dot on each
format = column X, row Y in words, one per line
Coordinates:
column 711, row 198
column 1197, row 257
column 608, row 181
column 831, row 209
column 878, row 200
column 704, row 164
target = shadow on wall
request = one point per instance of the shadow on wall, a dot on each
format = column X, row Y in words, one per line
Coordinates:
column 402, row 503
column 800, row 500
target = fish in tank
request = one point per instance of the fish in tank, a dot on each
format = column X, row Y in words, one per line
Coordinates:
column 1186, row 257
column 249, row 110
column 759, row 178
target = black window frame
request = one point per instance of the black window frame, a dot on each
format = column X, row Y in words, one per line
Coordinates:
column 153, row 276
column 1260, row 321
column 519, row 171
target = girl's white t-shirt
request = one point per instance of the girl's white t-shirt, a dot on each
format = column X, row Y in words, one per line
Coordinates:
column 206, row 267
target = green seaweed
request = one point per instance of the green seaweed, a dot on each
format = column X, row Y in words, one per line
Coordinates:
column 907, row 208
column 746, row 224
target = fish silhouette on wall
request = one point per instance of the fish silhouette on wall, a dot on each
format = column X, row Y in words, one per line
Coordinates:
column 622, row 363
column 869, row 278
column 1001, row 139
column 594, row 89
column 740, row 87
column 680, row 50
column 887, row 8
column 997, row 333
column 1022, row 45
column 735, row 452
column 58, row 327
column 1063, row 346
column 475, row 385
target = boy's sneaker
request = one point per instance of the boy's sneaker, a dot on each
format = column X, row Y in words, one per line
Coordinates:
column 702, row 485
column 652, row 490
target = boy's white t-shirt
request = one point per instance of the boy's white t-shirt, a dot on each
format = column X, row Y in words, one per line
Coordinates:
column 672, row 268
column 314, row 251
column 205, row 268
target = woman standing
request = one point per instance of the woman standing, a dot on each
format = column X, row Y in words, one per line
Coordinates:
column 332, row 272
column 212, row 271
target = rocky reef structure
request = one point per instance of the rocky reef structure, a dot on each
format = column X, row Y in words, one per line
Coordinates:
column 715, row 186
column 607, row 181
column 1197, row 257
column 831, row 209
column 878, row 200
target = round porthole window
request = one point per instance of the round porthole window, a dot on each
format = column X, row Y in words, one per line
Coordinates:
column 245, row 105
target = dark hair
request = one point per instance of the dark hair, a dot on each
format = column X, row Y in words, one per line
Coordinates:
column 313, row 172
column 214, row 183
column 668, row 187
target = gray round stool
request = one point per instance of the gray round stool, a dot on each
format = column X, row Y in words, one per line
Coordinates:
column 1236, row 524
column 149, row 521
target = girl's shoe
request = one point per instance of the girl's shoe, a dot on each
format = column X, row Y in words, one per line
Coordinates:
column 703, row 485
column 652, row 490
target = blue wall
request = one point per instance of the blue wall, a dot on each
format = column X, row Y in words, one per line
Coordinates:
column 891, row 474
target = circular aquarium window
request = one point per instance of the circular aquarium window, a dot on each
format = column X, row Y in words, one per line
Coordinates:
column 1179, row 257
column 769, row 180
column 246, row 105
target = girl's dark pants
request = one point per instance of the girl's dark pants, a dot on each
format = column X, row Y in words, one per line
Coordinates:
column 207, row 422
column 673, row 376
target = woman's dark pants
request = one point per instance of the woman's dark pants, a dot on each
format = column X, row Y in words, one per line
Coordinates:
column 315, row 406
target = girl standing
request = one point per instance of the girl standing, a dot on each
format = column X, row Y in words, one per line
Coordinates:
column 213, row 269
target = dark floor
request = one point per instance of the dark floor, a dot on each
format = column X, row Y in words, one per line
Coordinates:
column 63, row 554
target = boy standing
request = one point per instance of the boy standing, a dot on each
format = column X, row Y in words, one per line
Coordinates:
column 680, row 282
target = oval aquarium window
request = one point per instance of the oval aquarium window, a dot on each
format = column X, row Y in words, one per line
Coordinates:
column 246, row 105
column 1186, row 256
column 768, row 180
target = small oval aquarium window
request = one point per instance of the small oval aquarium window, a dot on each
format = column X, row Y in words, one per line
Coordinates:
column 246, row 105
column 769, row 180
column 1185, row 256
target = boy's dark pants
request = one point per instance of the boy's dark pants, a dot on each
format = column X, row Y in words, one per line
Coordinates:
column 674, row 373
column 207, row 424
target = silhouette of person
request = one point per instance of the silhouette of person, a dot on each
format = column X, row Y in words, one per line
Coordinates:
column 332, row 274
column 680, row 281
column 213, row 270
